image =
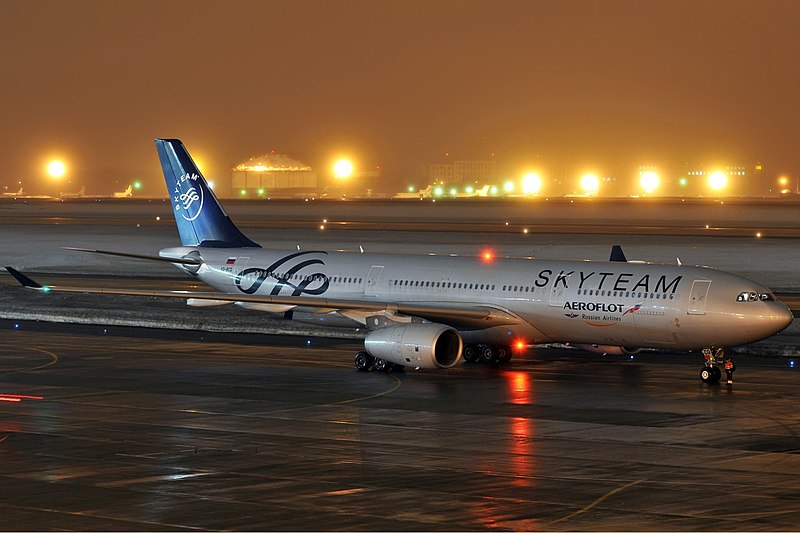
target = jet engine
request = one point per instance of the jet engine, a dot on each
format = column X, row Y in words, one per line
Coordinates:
column 607, row 350
column 416, row 345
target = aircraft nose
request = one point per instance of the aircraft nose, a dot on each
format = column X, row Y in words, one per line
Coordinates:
column 783, row 317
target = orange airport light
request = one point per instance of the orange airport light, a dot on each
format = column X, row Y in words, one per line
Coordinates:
column 343, row 169
column 56, row 169
column 531, row 183
column 590, row 183
column 717, row 180
column 649, row 181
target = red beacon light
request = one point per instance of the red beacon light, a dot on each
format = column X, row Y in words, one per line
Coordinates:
column 487, row 256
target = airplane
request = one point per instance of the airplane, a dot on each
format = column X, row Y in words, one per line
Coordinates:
column 14, row 194
column 22, row 196
column 427, row 192
column 433, row 312
column 477, row 193
column 78, row 194
column 127, row 193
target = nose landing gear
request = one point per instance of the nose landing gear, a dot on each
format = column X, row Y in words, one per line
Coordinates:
column 710, row 373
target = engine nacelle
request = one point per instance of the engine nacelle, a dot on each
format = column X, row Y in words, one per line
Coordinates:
column 416, row 345
column 607, row 350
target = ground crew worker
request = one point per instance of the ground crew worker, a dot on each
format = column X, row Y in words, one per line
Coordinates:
column 729, row 370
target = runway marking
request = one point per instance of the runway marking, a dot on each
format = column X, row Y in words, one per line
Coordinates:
column 598, row 501
column 397, row 384
column 762, row 514
column 52, row 362
column 99, row 516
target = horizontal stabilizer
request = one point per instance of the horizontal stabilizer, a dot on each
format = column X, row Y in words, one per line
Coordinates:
column 174, row 260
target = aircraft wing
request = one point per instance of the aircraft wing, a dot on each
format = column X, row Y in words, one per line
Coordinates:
column 464, row 316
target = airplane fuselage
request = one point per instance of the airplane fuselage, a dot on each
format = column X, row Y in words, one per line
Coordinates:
column 580, row 302
column 433, row 311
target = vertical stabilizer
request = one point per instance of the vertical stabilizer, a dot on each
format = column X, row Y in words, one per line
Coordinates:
column 200, row 218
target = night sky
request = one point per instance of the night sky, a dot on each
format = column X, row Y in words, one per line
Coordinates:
column 394, row 83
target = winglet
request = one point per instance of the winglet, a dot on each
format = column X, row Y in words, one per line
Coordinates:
column 617, row 254
column 23, row 279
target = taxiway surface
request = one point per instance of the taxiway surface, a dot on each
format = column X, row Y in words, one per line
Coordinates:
column 191, row 429
column 140, row 430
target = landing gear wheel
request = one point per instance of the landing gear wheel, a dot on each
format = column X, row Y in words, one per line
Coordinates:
column 470, row 353
column 504, row 354
column 382, row 365
column 710, row 374
column 488, row 354
column 363, row 361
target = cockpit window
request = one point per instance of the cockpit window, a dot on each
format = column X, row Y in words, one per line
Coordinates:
column 754, row 297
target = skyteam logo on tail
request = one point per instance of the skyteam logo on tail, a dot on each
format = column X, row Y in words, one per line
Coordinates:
column 188, row 197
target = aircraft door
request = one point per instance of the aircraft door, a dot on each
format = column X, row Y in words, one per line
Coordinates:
column 697, row 298
column 371, row 283
column 558, row 292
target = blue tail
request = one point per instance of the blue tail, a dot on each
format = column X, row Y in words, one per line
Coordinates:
column 201, row 220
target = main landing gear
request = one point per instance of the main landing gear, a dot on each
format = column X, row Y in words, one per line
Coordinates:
column 473, row 353
column 487, row 353
column 711, row 373
column 365, row 362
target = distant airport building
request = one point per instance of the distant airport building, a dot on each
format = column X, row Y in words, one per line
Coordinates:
column 460, row 172
column 464, row 178
column 273, row 176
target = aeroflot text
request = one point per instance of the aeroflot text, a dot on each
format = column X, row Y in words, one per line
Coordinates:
column 592, row 306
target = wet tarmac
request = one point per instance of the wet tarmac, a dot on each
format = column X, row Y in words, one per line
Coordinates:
column 137, row 429
column 104, row 427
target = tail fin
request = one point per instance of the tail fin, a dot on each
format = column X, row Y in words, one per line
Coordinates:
column 201, row 220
